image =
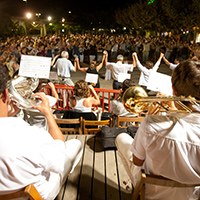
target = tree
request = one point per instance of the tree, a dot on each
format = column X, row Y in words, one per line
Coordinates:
column 161, row 15
column 6, row 25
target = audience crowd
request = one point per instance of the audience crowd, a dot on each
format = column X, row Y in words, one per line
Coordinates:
column 89, row 47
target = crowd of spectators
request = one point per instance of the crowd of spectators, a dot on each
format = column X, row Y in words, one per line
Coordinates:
column 89, row 47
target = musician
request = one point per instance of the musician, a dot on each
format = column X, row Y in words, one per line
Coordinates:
column 168, row 145
column 31, row 155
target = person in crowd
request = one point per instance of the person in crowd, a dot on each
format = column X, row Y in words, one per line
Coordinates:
column 93, row 69
column 118, row 68
column 117, row 106
column 64, row 66
column 168, row 145
column 172, row 66
column 146, row 70
column 84, row 97
column 28, row 154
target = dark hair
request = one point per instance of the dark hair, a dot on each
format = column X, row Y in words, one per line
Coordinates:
column 186, row 79
column 126, row 84
column 149, row 64
column 81, row 89
column 4, row 77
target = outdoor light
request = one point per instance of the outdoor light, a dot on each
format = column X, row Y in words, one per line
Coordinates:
column 38, row 14
column 28, row 15
column 49, row 18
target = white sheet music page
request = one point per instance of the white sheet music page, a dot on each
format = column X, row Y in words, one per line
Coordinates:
column 123, row 76
column 91, row 78
column 35, row 66
column 160, row 82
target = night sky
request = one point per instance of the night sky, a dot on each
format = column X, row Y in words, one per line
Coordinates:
column 60, row 7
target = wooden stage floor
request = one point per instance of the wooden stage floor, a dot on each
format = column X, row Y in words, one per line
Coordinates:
column 100, row 175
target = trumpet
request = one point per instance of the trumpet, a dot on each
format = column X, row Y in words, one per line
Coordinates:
column 136, row 100
column 21, row 90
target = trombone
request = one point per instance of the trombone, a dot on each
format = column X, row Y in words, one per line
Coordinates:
column 136, row 100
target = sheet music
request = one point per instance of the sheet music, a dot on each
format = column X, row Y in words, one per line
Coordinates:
column 35, row 66
column 123, row 76
column 91, row 78
column 160, row 83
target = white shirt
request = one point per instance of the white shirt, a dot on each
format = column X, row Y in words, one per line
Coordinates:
column 170, row 146
column 173, row 66
column 29, row 154
column 118, row 67
column 80, row 107
column 64, row 66
column 145, row 73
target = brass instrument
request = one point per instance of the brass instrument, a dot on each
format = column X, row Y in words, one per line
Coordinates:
column 136, row 100
column 21, row 90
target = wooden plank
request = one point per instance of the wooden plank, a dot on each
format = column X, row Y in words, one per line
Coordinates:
column 124, row 180
column 86, row 178
column 112, row 187
column 71, row 185
column 99, row 188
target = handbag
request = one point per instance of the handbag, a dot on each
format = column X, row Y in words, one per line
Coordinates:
column 106, row 137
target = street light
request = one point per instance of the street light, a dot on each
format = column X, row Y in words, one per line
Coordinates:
column 28, row 15
column 49, row 18
column 38, row 14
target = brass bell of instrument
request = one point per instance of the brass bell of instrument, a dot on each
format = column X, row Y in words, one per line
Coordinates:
column 129, row 99
column 21, row 90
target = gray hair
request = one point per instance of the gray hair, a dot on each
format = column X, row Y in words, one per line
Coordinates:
column 65, row 54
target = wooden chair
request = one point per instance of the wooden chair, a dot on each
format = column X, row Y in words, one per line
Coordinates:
column 29, row 192
column 94, row 126
column 70, row 126
column 139, row 190
column 122, row 119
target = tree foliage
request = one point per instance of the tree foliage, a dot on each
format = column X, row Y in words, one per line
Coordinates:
column 160, row 15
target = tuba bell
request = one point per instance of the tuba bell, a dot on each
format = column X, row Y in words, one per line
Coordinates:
column 21, row 90
column 136, row 100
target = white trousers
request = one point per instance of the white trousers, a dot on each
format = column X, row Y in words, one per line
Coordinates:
column 123, row 143
column 53, row 185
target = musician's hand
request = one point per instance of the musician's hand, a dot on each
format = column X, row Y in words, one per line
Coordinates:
column 43, row 103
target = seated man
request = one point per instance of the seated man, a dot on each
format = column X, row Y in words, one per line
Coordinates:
column 117, row 107
column 29, row 154
column 168, row 145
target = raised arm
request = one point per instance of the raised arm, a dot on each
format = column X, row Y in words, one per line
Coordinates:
column 103, row 61
column 77, row 63
column 95, row 97
column 166, row 61
column 134, row 60
column 157, row 64
column 53, row 90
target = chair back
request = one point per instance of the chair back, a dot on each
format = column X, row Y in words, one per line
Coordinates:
column 70, row 126
column 29, row 192
column 122, row 121
column 94, row 126
column 139, row 190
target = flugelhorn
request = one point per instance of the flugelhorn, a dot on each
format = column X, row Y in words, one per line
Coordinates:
column 136, row 100
column 21, row 90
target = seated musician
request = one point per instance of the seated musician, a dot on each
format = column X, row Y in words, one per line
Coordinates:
column 117, row 107
column 32, row 155
column 169, row 145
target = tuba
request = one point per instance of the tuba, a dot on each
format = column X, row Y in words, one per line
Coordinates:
column 136, row 100
column 21, row 90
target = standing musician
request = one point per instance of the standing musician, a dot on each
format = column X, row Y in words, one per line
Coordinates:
column 169, row 145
